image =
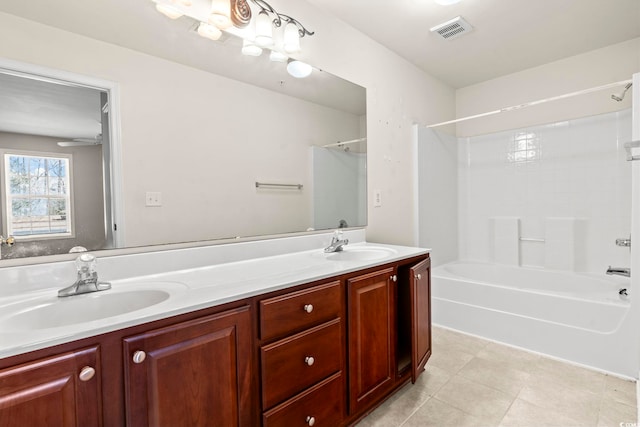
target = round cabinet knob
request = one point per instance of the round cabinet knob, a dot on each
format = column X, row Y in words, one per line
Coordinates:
column 309, row 360
column 87, row 373
column 419, row 276
column 308, row 308
column 311, row 420
column 394, row 278
column 139, row 356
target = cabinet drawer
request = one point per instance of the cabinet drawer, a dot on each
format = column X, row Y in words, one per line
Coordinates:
column 295, row 311
column 321, row 405
column 287, row 367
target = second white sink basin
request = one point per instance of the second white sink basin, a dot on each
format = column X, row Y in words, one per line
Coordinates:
column 361, row 253
column 51, row 311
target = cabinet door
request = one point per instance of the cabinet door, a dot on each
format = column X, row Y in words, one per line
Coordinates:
column 371, row 322
column 420, row 285
column 60, row 391
column 196, row 373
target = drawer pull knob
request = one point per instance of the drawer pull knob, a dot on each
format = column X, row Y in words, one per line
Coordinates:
column 87, row 373
column 309, row 360
column 311, row 420
column 139, row 356
column 419, row 276
column 308, row 308
column 394, row 278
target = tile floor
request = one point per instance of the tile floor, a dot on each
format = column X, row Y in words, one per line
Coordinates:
column 473, row 382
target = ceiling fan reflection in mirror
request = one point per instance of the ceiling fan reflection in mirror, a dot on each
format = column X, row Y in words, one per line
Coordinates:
column 79, row 142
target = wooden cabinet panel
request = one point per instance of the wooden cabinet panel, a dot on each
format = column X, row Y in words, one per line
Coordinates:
column 195, row 373
column 371, row 325
column 287, row 367
column 296, row 311
column 320, row 406
column 50, row 392
column 420, row 284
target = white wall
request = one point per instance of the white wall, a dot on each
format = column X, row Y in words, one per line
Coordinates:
column 602, row 66
column 438, row 194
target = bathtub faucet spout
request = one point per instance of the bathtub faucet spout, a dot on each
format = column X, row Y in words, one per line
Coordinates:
column 626, row 272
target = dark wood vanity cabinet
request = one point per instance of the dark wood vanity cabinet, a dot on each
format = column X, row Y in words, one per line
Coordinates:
column 371, row 333
column 321, row 354
column 63, row 391
column 195, row 373
column 301, row 357
column 389, row 338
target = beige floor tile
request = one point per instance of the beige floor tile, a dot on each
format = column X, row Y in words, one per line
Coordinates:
column 568, row 376
column 476, row 399
column 510, row 357
column 431, row 380
column 495, row 374
column 525, row 414
column 447, row 359
column 619, row 390
column 453, row 340
column 614, row 413
column 579, row 405
column 397, row 408
column 435, row 413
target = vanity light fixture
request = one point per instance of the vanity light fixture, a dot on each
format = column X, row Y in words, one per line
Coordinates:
column 298, row 69
column 249, row 48
column 276, row 56
column 209, row 31
column 257, row 28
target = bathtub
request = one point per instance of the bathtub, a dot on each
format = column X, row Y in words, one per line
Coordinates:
column 577, row 317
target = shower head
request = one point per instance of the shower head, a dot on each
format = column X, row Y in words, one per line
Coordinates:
column 620, row 96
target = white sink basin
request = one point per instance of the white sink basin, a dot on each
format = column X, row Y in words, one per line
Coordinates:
column 50, row 311
column 364, row 253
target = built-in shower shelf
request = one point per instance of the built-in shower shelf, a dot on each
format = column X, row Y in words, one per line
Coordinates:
column 629, row 146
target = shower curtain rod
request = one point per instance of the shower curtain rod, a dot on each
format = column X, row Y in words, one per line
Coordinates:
column 532, row 103
column 339, row 143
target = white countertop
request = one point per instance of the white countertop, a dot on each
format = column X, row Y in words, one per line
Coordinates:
column 194, row 288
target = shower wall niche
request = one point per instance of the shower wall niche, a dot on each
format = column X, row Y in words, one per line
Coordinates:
column 571, row 172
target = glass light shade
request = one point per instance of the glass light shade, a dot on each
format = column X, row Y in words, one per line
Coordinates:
column 185, row 3
column 276, row 56
column 447, row 2
column 220, row 14
column 299, row 69
column 250, row 49
column 264, row 30
column 209, row 31
column 169, row 11
column 291, row 42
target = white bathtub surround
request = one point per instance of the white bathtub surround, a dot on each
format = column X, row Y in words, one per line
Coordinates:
column 565, row 242
column 571, row 169
column 506, row 245
column 209, row 276
column 575, row 317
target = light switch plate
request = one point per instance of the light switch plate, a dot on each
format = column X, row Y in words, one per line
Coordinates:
column 153, row 199
column 377, row 198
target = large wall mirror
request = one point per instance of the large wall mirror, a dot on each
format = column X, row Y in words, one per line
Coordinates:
column 202, row 156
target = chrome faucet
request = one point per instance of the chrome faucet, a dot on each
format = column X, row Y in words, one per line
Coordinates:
column 87, row 280
column 337, row 242
column 626, row 272
column 624, row 242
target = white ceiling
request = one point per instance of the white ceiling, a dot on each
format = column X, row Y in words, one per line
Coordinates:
column 508, row 35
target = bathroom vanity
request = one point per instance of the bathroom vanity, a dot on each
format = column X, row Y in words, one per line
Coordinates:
column 323, row 349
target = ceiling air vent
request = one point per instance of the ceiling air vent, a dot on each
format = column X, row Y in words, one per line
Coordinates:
column 456, row 27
